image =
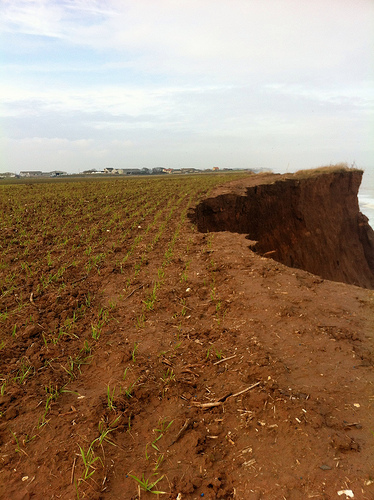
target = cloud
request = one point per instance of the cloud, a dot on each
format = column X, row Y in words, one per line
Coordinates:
column 208, row 37
column 143, row 82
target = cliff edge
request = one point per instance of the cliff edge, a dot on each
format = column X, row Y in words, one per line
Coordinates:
column 308, row 220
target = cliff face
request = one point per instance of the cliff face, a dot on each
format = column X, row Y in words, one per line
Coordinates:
column 307, row 220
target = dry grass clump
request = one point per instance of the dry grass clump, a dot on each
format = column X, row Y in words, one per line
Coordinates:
column 328, row 169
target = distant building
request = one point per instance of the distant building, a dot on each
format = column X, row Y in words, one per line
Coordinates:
column 215, row 169
column 57, row 173
column 31, row 173
column 131, row 171
column 7, row 175
column 157, row 170
column 188, row 170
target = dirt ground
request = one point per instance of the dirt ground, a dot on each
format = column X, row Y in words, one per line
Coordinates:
column 247, row 380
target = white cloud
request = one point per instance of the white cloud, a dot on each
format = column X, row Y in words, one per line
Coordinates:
column 190, row 81
column 245, row 38
column 32, row 17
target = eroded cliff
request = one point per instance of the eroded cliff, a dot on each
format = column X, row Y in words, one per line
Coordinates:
column 308, row 220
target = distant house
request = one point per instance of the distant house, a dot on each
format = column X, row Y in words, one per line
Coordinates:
column 157, row 170
column 7, row 175
column 188, row 170
column 215, row 169
column 31, row 173
column 167, row 170
column 131, row 171
column 57, row 173
column 108, row 170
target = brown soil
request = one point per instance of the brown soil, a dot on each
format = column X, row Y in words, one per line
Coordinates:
column 310, row 222
column 264, row 373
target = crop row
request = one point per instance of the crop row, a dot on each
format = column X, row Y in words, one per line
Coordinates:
column 60, row 245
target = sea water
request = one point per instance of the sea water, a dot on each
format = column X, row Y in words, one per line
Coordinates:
column 366, row 202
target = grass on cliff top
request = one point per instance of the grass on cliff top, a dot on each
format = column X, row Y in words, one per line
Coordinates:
column 338, row 168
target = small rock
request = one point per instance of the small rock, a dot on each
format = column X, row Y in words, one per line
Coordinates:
column 325, row 467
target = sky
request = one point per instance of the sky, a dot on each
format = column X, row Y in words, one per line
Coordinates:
column 279, row 84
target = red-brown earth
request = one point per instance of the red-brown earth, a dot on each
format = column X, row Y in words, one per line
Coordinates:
column 247, row 379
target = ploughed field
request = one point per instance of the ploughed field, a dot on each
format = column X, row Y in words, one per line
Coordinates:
column 139, row 357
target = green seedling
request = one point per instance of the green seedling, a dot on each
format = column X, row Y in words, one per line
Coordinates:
column 102, row 320
column 219, row 354
column 28, row 439
column 89, row 460
column 184, row 307
column 140, row 321
column 110, row 398
column 4, row 315
column 209, row 241
column 133, row 352
column 168, row 376
column 2, row 388
column 25, row 370
column 128, row 391
column 88, row 300
column 75, row 363
column 86, row 348
column 177, row 346
column 18, row 448
column 96, row 331
column 52, row 395
column 62, row 333
column 125, row 373
column 45, row 341
column 104, row 432
column 150, row 302
column 49, row 260
column 163, row 426
column 76, row 489
column 148, row 484
column 158, row 463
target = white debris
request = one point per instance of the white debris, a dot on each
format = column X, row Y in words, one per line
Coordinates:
column 347, row 493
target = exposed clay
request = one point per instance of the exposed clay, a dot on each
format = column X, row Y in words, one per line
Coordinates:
column 310, row 222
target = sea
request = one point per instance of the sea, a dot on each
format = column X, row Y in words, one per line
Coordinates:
column 366, row 202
